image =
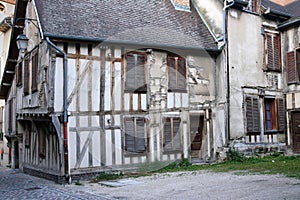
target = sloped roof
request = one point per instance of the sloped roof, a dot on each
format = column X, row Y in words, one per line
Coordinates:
column 292, row 8
column 134, row 21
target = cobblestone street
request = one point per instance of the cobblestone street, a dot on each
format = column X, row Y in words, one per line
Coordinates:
column 16, row 185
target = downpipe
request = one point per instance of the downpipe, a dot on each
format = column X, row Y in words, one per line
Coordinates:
column 65, row 110
column 225, row 47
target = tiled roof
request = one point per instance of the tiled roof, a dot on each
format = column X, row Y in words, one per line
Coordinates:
column 292, row 8
column 139, row 21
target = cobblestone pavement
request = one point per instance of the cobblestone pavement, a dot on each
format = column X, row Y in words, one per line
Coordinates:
column 16, row 185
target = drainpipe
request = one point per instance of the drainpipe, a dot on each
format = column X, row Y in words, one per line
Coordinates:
column 65, row 110
column 226, row 6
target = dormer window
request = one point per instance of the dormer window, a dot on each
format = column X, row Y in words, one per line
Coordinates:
column 183, row 5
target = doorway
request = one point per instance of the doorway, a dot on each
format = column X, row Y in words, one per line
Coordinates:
column 196, row 129
column 296, row 131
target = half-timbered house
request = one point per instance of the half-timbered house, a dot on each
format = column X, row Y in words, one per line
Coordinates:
column 108, row 85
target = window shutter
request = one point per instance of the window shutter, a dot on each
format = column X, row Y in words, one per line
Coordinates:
column 167, row 134
column 181, row 73
column 298, row 64
column 281, row 114
column 177, row 135
column 291, row 67
column 269, row 52
column 276, row 47
column 130, row 75
column 135, row 75
column 129, row 134
column 272, row 52
column 34, row 68
column 140, row 73
column 26, row 76
column 19, row 74
column 172, row 73
column 140, row 133
column 252, row 114
column 177, row 73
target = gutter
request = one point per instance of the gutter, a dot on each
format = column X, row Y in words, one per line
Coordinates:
column 65, row 110
column 275, row 12
column 292, row 22
column 124, row 42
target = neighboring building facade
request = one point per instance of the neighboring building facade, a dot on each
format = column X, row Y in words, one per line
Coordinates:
column 6, row 14
column 112, row 90
column 291, row 60
column 254, row 70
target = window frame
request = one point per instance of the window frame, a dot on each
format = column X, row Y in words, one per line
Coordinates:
column 176, row 68
column 173, row 147
column 270, row 49
column 135, row 149
column 277, row 114
column 135, row 89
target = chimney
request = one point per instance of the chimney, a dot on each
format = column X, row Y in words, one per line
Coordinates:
column 183, row 5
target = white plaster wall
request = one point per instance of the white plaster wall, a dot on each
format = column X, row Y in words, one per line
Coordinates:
column 245, row 46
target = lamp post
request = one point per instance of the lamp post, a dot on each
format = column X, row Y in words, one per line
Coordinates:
column 22, row 42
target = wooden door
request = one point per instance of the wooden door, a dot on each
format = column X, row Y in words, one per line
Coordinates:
column 196, row 127
column 296, row 131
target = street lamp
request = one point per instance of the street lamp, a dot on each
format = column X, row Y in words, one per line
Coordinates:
column 22, row 42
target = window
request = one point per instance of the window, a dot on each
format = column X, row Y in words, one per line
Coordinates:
column 19, row 74
column 135, row 72
column 26, row 76
column 171, row 134
column 177, row 73
column 270, row 123
column 135, row 129
column 274, row 114
column 34, row 71
column 252, row 114
column 293, row 66
column 272, row 52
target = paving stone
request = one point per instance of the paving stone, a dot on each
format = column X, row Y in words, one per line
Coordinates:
column 16, row 185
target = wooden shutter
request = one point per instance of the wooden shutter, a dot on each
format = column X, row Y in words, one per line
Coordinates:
column 135, row 72
column 177, row 73
column 167, row 134
column 291, row 67
column 140, row 135
column 276, row 53
column 172, row 73
column 129, row 134
column 135, row 135
column 272, row 52
column 269, row 52
column 298, row 64
column 34, row 71
column 181, row 74
column 19, row 74
column 176, row 134
column 26, row 76
column 252, row 114
column 281, row 114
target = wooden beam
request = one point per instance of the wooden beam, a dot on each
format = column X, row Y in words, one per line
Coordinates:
column 13, row 2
